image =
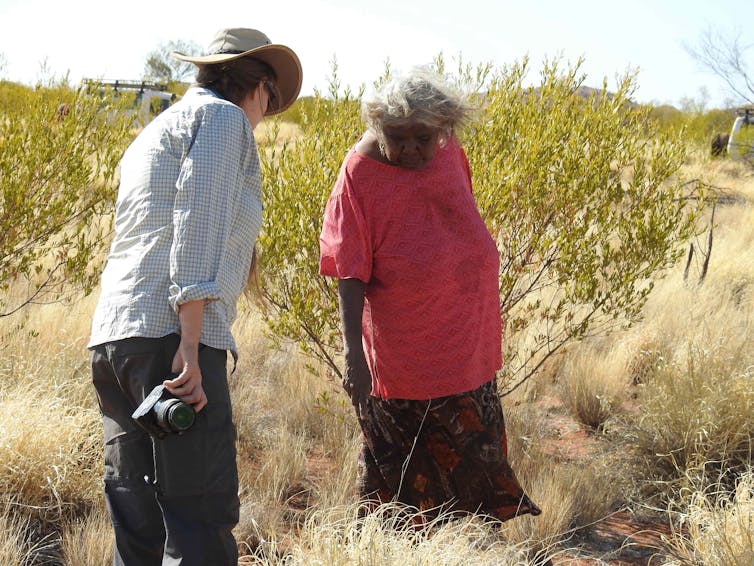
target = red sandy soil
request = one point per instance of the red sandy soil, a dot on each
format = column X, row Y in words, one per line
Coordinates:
column 622, row 540
column 619, row 539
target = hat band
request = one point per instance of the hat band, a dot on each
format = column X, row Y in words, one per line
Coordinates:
column 227, row 52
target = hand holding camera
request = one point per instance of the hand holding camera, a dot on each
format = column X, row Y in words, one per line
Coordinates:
column 186, row 383
column 161, row 413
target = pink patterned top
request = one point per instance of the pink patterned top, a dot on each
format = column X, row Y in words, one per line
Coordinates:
column 431, row 325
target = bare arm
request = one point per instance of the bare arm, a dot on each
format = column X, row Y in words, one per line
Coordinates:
column 188, row 385
column 357, row 381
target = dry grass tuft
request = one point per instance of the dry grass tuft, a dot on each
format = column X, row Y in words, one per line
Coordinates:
column 50, row 453
column 297, row 437
column 594, row 384
column 273, row 389
column 571, row 495
column 88, row 541
column 338, row 487
column 339, row 536
column 692, row 357
column 21, row 543
column 695, row 415
column 14, row 550
column 717, row 526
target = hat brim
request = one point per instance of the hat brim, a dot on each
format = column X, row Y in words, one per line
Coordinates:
column 282, row 59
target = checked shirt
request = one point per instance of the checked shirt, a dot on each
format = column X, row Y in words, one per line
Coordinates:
column 187, row 215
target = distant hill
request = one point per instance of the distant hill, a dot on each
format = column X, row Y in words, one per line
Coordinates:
column 587, row 92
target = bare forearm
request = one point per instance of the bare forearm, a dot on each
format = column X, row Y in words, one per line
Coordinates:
column 190, row 316
column 351, row 301
column 188, row 385
column 357, row 381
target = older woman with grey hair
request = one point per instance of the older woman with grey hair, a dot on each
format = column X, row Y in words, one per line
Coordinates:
column 417, row 276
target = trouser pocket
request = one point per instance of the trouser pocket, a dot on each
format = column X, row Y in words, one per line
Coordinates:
column 201, row 460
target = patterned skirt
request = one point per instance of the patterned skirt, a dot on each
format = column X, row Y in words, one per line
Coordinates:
column 443, row 455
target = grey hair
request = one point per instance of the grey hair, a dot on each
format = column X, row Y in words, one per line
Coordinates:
column 420, row 96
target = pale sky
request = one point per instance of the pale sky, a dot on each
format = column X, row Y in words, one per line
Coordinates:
column 110, row 40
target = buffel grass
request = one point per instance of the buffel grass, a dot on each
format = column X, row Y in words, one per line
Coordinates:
column 675, row 391
column 50, row 453
column 594, row 384
column 18, row 547
column 341, row 536
column 293, row 430
column 717, row 526
column 87, row 540
column 50, row 440
column 693, row 362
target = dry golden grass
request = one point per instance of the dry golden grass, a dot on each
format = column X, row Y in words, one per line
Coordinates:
column 694, row 353
column 572, row 495
column 695, row 415
column 678, row 384
column 50, row 427
column 337, row 536
column 594, row 383
column 717, row 527
column 88, row 541
column 50, row 453
column 293, row 432
column 14, row 548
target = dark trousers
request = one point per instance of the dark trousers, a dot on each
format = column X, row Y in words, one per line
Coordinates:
column 171, row 501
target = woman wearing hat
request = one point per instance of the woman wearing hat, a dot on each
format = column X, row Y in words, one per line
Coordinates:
column 187, row 215
column 420, row 307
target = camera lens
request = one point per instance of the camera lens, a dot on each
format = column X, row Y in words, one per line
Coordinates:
column 181, row 416
column 174, row 415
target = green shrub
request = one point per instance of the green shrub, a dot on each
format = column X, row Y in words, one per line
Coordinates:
column 297, row 179
column 583, row 199
column 667, row 119
column 13, row 97
column 57, row 176
column 581, row 196
column 697, row 125
column 296, row 114
column 703, row 126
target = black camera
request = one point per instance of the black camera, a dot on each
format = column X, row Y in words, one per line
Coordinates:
column 161, row 413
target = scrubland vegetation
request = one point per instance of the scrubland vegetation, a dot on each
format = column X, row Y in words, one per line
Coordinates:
column 630, row 384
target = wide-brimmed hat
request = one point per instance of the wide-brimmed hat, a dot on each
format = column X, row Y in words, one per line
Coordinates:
column 234, row 43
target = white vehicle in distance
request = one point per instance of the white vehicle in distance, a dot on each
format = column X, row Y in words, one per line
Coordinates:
column 741, row 138
column 149, row 99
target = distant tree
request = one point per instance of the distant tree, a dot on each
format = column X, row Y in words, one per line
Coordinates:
column 667, row 118
column 57, row 187
column 3, row 64
column 729, row 57
column 163, row 67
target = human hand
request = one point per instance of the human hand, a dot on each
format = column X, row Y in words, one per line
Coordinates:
column 357, row 382
column 188, row 385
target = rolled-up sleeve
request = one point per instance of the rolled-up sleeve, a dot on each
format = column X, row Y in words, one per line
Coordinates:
column 345, row 243
column 207, row 186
